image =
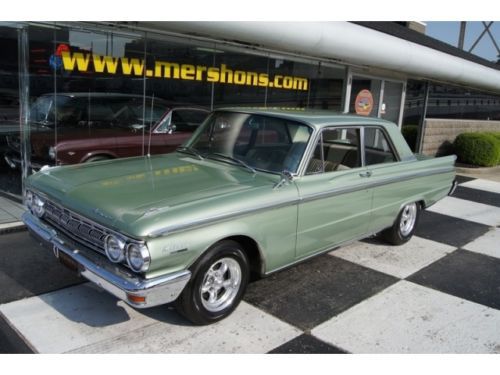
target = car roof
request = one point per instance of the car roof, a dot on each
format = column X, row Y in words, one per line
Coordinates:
column 169, row 103
column 317, row 118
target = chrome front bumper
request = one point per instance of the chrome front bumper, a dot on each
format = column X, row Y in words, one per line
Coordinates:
column 113, row 278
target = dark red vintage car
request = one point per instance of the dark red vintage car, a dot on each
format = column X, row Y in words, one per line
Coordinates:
column 85, row 127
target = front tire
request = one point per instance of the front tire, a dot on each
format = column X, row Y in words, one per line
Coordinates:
column 404, row 226
column 220, row 278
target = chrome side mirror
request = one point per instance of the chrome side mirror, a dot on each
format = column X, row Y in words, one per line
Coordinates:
column 286, row 178
column 171, row 129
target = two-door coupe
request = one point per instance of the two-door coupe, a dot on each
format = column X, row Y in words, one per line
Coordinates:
column 253, row 191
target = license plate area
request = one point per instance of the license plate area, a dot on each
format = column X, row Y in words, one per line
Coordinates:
column 65, row 259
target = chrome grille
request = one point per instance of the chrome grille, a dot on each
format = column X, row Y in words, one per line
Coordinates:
column 76, row 227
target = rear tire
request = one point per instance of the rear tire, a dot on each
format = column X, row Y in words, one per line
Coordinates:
column 404, row 225
column 219, row 280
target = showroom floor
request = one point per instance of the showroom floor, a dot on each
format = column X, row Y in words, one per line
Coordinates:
column 439, row 293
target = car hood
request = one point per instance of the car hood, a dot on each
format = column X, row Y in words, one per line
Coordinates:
column 140, row 196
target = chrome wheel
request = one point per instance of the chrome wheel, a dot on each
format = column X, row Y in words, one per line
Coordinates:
column 221, row 284
column 408, row 219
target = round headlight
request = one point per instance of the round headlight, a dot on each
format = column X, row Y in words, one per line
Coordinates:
column 115, row 248
column 138, row 257
column 29, row 199
column 38, row 206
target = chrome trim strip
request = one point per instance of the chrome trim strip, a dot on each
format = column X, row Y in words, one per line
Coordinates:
column 215, row 219
column 367, row 184
column 111, row 277
column 338, row 191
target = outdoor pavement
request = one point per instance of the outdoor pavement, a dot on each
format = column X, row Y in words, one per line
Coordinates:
column 10, row 211
column 438, row 293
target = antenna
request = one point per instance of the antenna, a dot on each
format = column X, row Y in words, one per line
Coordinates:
column 151, row 124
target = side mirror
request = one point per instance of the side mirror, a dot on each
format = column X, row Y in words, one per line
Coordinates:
column 171, row 129
column 286, row 178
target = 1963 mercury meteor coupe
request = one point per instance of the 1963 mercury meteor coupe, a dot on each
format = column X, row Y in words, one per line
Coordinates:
column 252, row 191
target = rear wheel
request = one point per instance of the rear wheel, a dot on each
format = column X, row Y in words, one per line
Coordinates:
column 404, row 226
column 219, row 281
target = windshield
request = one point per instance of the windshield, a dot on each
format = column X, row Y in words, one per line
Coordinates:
column 261, row 142
column 98, row 111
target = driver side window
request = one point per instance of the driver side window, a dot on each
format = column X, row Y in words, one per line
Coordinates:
column 337, row 149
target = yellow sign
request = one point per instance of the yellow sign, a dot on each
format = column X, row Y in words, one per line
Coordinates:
column 171, row 70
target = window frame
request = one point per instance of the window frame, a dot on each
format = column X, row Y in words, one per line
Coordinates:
column 362, row 147
column 389, row 143
column 319, row 136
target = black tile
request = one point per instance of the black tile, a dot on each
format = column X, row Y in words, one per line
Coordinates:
column 314, row 291
column 306, row 344
column 476, row 195
column 447, row 229
column 461, row 179
column 10, row 342
column 464, row 274
column 27, row 269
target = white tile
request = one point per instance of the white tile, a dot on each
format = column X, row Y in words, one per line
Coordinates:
column 468, row 210
column 486, row 185
column 84, row 318
column 71, row 318
column 400, row 261
column 488, row 244
column 247, row 330
column 15, row 224
column 409, row 318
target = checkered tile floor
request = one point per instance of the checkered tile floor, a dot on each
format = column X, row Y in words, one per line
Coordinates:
column 439, row 293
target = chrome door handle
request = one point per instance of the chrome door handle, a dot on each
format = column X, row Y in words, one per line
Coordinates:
column 365, row 174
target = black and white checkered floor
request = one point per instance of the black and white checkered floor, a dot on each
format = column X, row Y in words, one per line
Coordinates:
column 439, row 293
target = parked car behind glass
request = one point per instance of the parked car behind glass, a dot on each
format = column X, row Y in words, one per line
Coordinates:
column 86, row 127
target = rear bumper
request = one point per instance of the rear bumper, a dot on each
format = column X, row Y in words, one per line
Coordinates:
column 453, row 187
column 113, row 278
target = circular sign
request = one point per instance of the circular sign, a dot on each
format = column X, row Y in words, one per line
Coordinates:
column 61, row 48
column 364, row 103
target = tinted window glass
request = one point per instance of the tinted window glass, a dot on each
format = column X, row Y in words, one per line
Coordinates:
column 266, row 143
column 187, row 119
column 377, row 148
column 336, row 150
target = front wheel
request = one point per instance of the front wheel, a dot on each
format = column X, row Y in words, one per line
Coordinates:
column 219, row 281
column 404, row 226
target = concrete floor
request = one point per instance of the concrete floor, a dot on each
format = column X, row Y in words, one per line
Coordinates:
column 10, row 212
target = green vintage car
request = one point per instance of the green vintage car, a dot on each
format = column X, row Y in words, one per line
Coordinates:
column 253, row 191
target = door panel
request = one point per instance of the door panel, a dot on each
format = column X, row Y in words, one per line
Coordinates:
column 335, row 207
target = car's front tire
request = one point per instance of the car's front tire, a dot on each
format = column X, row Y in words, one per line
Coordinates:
column 404, row 226
column 220, row 278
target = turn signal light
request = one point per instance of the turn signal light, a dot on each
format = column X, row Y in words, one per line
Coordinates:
column 136, row 299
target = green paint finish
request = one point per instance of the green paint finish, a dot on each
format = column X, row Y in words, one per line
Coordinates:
column 181, row 205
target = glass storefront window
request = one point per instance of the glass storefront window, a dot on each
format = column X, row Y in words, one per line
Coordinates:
column 10, row 179
column 446, row 101
column 101, row 93
column 413, row 112
column 391, row 104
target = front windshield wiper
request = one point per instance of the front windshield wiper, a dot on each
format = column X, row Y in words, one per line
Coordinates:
column 191, row 151
column 238, row 161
